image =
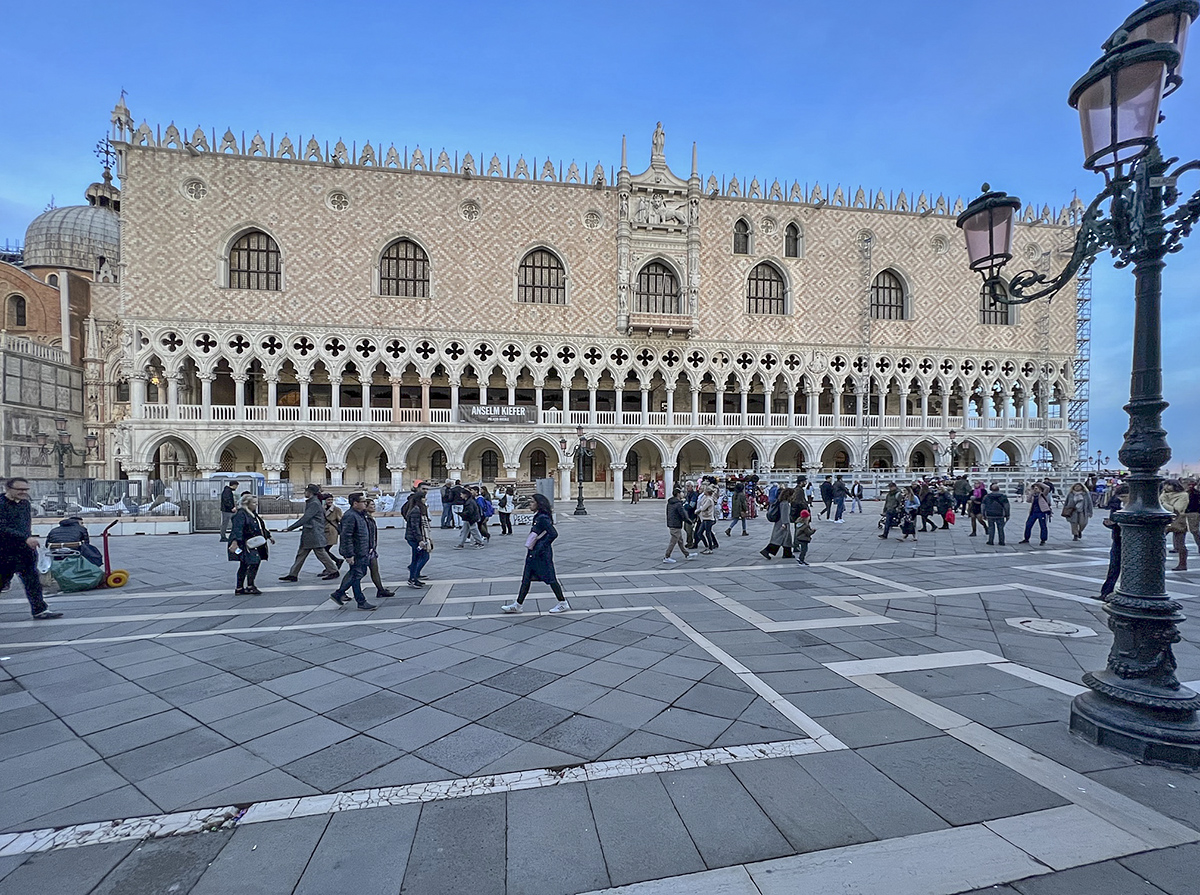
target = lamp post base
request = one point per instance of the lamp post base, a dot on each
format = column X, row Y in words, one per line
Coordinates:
column 1151, row 735
column 580, row 511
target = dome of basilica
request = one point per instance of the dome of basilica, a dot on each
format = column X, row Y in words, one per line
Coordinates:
column 76, row 237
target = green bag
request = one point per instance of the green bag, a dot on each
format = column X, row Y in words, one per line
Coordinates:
column 75, row 573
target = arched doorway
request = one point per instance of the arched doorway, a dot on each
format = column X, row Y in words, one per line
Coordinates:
column 305, row 461
column 790, row 455
column 240, row 454
column 836, row 456
column 743, row 455
column 366, row 464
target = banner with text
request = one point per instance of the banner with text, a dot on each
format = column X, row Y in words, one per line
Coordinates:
column 502, row 414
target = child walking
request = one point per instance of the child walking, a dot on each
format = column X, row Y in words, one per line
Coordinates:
column 803, row 535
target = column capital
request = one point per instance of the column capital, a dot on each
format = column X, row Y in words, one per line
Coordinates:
column 304, row 379
column 206, row 376
column 239, row 377
column 619, row 467
column 271, row 376
column 513, row 466
column 336, row 467
column 274, row 467
column 425, row 381
column 397, row 467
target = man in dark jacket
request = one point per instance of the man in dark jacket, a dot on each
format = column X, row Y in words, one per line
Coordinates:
column 228, row 506
column 18, row 546
column 840, row 492
column 996, row 511
column 356, row 546
column 962, row 494
column 471, row 514
column 827, row 496
column 943, row 502
column 891, row 508
column 312, row 536
column 676, row 509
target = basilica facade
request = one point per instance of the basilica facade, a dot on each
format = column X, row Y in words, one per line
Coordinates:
column 377, row 314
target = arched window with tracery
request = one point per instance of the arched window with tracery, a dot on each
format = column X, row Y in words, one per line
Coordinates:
column 254, row 262
column 657, row 290
column 793, row 241
column 887, row 297
column 437, row 465
column 766, row 292
column 228, row 460
column 404, row 270
column 542, row 279
column 991, row 309
column 17, row 315
column 489, row 466
column 537, row 465
column 741, row 237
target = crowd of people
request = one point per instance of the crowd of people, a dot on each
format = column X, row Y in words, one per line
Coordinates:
column 350, row 539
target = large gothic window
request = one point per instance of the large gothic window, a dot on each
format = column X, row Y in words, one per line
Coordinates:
column 541, row 279
column 254, row 262
column 537, row 465
column 741, row 237
column 887, row 297
column 793, row 241
column 404, row 270
column 990, row 310
column 437, row 465
column 489, row 466
column 766, row 292
column 657, row 291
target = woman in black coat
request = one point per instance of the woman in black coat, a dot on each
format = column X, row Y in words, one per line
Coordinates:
column 926, row 507
column 247, row 525
column 539, row 557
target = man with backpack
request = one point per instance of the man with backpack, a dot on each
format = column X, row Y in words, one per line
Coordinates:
column 471, row 514
column 448, row 504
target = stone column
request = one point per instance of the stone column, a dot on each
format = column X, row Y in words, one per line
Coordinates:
column 137, row 395
column 395, row 383
column 512, row 394
column 273, row 397
column 537, row 400
column 365, row 385
column 454, row 387
column 1006, row 402
column 141, row 475
column 566, row 402
column 273, row 471
column 669, row 479
column 335, row 400
column 591, row 405
column 903, row 408
column 425, row 383
column 720, row 406
column 173, row 396
column 619, row 399
column 512, row 470
column 336, row 472
column 305, row 382
column 695, row 407
column 670, row 407
column 206, row 381
column 791, row 408
column 454, row 473
column 859, row 400
column 564, row 481
column 812, row 399
column 745, row 408
column 397, row 472
column 924, row 408
column 618, row 479
column 239, row 396
column 645, row 408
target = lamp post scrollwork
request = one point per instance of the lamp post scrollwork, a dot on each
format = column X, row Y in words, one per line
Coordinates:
column 585, row 448
column 61, row 448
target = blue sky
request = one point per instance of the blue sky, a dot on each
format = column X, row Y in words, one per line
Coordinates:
column 936, row 96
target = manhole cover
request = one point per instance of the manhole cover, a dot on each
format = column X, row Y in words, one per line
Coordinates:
column 1051, row 626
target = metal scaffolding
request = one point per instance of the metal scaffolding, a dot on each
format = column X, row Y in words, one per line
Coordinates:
column 1078, row 411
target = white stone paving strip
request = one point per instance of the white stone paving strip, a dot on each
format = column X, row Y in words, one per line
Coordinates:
column 893, row 664
column 571, row 594
column 1067, row 688
column 939, row 863
column 827, row 741
column 1062, row 595
column 373, row 620
column 874, row 579
column 406, row 794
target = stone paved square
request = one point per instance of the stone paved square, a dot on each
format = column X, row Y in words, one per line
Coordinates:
column 721, row 716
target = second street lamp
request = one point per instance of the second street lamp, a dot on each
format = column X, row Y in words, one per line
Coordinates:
column 1136, row 704
column 585, row 448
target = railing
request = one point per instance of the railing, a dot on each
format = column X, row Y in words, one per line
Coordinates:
column 914, row 422
column 891, row 421
column 801, row 420
column 606, row 417
column 953, row 422
column 352, row 414
column 191, row 412
column 289, row 414
column 552, row 417
column 580, row 418
column 437, row 415
column 780, row 420
column 381, row 414
column 756, row 420
column 630, row 417
column 708, row 420
column 21, row 345
column 224, row 413
column 825, row 420
column 256, row 413
column 154, row 411
column 320, row 414
column 974, row 422
column 683, row 418
column 658, row 419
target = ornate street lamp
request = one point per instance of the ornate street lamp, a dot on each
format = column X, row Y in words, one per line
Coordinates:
column 585, row 448
column 1136, row 704
column 62, row 449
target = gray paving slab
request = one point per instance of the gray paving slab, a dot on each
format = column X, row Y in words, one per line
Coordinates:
column 353, row 854
column 72, row 871
column 197, row 779
column 626, row 709
column 1173, row 870
column 29, row 800
column 263, row 859
column 124, row 801
column 525, row 718
column 691, row 727
column 584, row 736
column 1108, row 878
column 1167, row 791
column 722, row 702
column 712, row 802
column 417, row 728
column 258, row 722
column 158, row 866
column 459, row 846
column 334, row 766
column 958, row 783
column 162, row 755
column 552, row 844
column 873, row 728
column 464, row 751
column 624, row 809
column 296, row 741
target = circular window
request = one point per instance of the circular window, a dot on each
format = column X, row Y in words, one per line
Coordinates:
column 592, row 220
column 338, row 201
column 470, row 210
column 769, row 226
column 940, row 245
column 195, row 189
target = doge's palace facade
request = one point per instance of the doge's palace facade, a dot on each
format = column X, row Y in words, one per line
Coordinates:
column 371, row 314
